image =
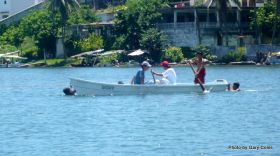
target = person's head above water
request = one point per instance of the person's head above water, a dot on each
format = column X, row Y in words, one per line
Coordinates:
column 236, row 86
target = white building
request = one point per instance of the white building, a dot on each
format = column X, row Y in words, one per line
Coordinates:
column 5, row 8
column 11, row 7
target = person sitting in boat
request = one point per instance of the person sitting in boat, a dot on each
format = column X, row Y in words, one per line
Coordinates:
column 169, row 75
column 235, row 87
column 139, row 78
column 200, row 71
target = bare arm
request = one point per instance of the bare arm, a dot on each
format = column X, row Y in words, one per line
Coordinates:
column 158, row 74
column 132, row 80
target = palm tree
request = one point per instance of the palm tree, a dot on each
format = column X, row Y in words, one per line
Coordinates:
column 64, row 7
column 222, row 7
column 277, row 13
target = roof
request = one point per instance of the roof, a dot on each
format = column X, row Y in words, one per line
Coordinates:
column 275, row 53
column 89, row 53
column 112, row 52
column 137, row 52
column 9, row 54
column 14, row 56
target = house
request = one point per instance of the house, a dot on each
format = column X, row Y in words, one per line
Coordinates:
column 101, row 4
column 4, row 9
column 11, row 7
column 189, row 24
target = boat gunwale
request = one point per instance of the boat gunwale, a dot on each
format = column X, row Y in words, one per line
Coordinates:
column 224, row 82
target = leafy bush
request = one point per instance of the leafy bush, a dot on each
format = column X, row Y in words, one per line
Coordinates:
column 120, row 42
column 211, row 57
column 105, row 60
column 206, row 52
column 134, row 20
column 202, row 48
column 238, row 55
column 173, row 54
column 3, row 28
column 93, row 42
column 7, row 48
column 152, row 40
column 84, row 15
column 30, row 50
column 188, row 52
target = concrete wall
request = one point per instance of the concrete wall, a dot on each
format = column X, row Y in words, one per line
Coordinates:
column 209, row 40
column 251, row 50
column 106, row 17
column 180, row 34
column 60, row 53
column 15, row 7
column 17, row 17
column 18, row 6
column 221, row 51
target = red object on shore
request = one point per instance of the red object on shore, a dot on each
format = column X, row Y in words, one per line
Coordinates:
column 180, row 5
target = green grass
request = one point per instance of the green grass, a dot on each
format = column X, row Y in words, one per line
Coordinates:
column 55, row 62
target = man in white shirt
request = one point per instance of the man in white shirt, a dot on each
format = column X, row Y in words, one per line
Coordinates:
column 169, row 74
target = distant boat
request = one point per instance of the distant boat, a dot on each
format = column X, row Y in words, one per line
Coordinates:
column 243, row 63
column 11, row 60
column 85, row 87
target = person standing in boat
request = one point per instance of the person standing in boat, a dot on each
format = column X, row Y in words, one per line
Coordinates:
column 139, row 78
column 200, row 71
column 169, row 74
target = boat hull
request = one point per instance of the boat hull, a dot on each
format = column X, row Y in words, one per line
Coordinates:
column 85, row 87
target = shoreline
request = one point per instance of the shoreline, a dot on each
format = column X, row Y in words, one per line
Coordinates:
column 133, row 66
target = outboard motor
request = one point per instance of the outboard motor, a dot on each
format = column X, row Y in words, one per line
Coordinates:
column 69, row 91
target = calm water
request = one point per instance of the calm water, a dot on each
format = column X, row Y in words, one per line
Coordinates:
column 36, row 119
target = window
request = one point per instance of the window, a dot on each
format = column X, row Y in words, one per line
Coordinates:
column 5, row 16
column 168, row 18
column 185, row 17
column 244, row 3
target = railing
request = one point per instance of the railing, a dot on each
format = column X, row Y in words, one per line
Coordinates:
column 175, row 25
column 202, row 25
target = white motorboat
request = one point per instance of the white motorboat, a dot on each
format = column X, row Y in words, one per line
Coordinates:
column 86, row 87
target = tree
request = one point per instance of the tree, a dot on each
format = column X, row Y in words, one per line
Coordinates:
column 93, row 42
column 277, row 13
column 173, row 54
column 43, row 27
column 12, row 36
column 82, row 16
column 267, row 22
column 64, row 7
column 222, row 7
column 137, row 17
column 2, row 28
column 39, row 26
column 152, row 40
